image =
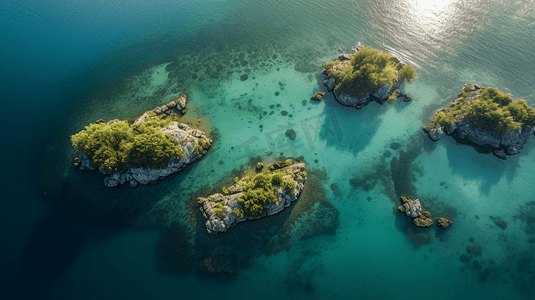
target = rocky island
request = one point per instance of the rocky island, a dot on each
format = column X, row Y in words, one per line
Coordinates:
column 263, row 191
column 144, row 151
column 420, row 218
column 487, row 118
column 366, row 75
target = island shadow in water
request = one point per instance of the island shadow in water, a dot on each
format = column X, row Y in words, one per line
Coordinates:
column 477, row 163
column 346, row 128
column 189, row 247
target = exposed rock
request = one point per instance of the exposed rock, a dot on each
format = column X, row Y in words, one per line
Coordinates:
column 318, row 96
column 411, row 208
column 176, row 106
column 186, row 137
column 444, row 223
column 291, row 133
column 423, row 220
column 259, row 166
column 221, row 221
column 502, row 143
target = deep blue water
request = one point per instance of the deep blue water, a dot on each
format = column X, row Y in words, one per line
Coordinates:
column 65, row 64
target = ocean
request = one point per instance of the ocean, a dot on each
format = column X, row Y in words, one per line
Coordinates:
column 249, row 69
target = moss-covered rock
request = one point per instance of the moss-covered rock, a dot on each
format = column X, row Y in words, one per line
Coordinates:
column 423, row 220
column 444, row 223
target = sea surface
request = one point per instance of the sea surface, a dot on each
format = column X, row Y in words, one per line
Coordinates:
column 65, row 235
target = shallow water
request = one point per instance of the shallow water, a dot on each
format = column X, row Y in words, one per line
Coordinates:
column 68, row 64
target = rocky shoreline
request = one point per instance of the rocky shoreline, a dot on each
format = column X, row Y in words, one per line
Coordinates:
column 194, row 142
column 380, row 94
column 500, row 144
column 219, row 209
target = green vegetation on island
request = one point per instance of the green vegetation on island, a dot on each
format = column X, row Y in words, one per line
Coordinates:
column 367, row 70
column 487, row 108
column 120, row 145
column 261, row 190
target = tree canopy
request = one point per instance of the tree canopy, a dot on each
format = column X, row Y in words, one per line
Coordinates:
column 369, row 69
column 120, row 145
column 493, row 110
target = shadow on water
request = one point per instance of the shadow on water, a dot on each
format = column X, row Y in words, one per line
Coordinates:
column 188, row 247
column 346, row 128
column 468, row 162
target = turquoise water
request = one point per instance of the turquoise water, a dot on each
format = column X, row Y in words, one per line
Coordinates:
column 67, row 64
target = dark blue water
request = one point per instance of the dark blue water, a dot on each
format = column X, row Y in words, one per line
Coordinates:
column 66, row 236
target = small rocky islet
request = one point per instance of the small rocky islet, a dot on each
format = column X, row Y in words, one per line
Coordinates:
column 368, row 74
column 487, row 119
column 420, row 218
column 263, row 191
column 153, row 147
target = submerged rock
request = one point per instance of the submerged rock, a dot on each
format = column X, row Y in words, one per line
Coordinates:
column 474, row 249
column 291, row 133
column 225, row 211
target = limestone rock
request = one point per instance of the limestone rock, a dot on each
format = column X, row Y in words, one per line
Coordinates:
column 411, row 208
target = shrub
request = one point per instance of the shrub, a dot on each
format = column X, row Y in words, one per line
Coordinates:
column 225, row 191
column 288, row 185
column 238, row 212
column 219, row 210
column 288, row 162
column 257, row 193
column 406, row 73
column 198, row 149
column 276, row 178
column 120, row 145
